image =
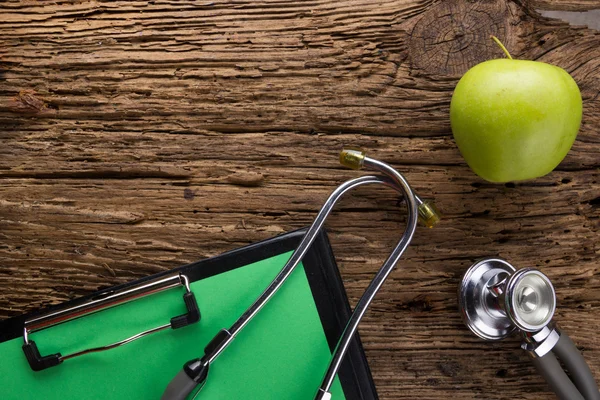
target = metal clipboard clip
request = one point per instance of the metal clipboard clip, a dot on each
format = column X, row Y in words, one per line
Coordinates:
column 102, row 301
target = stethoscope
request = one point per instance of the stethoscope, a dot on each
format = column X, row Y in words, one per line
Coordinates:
column 495, row 300
column 190, row 380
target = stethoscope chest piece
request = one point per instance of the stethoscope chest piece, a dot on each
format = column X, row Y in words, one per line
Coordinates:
column 479, row 304
column 495, row 298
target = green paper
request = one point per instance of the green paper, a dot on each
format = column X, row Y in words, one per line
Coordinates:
column 281, row 354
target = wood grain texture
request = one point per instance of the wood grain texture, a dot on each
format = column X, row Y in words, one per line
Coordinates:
column 138, row 136
column 566, row 5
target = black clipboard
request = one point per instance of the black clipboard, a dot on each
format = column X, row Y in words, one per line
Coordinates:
column 325, row 284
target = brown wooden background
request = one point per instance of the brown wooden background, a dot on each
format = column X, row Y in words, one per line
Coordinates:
column 141, row 135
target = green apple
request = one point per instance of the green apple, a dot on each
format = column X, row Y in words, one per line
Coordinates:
column 515, row 119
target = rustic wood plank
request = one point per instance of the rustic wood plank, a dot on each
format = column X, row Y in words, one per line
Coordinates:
column 568, row 5
column 138, row 136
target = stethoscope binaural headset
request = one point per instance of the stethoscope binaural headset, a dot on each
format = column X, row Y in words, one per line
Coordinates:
column 190, row 380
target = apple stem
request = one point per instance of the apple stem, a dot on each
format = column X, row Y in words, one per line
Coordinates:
column 499, row 43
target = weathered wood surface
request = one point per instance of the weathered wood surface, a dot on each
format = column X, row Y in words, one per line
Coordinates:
column 139, row 136
column 569, row 5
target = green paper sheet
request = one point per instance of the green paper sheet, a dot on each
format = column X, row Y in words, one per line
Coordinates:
column 281, row 354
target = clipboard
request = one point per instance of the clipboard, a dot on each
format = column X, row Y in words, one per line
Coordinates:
column 282, row 353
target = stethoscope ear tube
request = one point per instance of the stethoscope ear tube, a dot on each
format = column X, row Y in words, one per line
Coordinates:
column 582, row 387
column 418, row 210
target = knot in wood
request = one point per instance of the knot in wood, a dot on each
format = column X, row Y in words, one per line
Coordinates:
column 453, row 36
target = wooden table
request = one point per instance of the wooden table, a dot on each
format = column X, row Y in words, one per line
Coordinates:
column 141, row 135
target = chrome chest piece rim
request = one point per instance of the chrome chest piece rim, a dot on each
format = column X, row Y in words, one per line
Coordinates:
column 529, row 300
column 478, row 301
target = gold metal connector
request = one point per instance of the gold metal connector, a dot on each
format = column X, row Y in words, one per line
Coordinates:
column 429, row 215
column 352, row 158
